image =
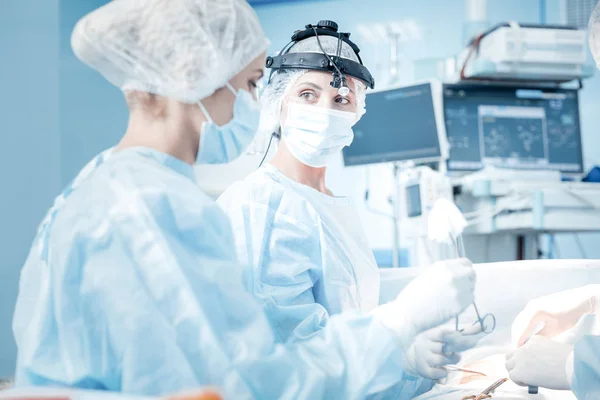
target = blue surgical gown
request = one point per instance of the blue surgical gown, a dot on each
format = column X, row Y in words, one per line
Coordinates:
column 132, row 285
column 41, row 393
column 308, row 254
column 306, row 265
column 586, row 372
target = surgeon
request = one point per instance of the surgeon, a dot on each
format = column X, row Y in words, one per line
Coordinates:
column 309, row 255
column 132, row 284
column 541, row 361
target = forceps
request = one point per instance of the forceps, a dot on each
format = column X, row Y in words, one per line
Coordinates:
column 487, row 393
column 488, row 321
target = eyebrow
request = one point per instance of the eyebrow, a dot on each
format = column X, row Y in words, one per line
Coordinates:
column 314, row 85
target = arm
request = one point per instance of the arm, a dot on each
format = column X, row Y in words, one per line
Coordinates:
column 547, row 363
column 172, row 314
column 219, row 339
column 556, row 313
column 284, row 255
column 287, row 279
column 583, row 368
column 153, row 304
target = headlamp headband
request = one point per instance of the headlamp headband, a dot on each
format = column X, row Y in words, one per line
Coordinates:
column 338, row 66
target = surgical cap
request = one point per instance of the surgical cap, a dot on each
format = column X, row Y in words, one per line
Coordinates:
column 594, row 34
column 283, row 80
column 181, row 49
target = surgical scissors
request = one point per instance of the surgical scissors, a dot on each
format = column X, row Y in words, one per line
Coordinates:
column 486, row 327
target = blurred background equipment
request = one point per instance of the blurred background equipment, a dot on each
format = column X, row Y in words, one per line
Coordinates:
column 401, row 124
column 406, row 127
column 530, row 52
column 513, row 127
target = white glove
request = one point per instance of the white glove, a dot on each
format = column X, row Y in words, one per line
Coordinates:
column 555, row 313
column 541, row 362
column 437, row 347
column 441, row 292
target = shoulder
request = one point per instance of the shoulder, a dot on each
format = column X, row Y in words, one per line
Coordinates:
column 133, row 194
column 266, row 189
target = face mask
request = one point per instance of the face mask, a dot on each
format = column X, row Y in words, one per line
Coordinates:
column 314, row 134
column 223, row 144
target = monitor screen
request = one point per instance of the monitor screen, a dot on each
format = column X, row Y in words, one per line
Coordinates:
column 399, row 125
column 512, row 127
column 413, row 201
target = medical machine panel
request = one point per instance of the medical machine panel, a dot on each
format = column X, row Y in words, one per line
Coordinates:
column 512, row 127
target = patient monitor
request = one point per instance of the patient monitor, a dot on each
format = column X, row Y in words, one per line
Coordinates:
column 511, row 148
column 513, row 127
column 402, row 124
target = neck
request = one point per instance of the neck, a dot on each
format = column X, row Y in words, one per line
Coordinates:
column 161, row 136
column 285, row 162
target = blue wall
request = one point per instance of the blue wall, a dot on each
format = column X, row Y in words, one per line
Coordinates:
column 93, row 114
column 55, row 114
column 30, row 150
column 441, row 20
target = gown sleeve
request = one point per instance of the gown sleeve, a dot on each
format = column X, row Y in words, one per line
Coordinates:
column 152, row 302
column 586, row 368
column 284, row 255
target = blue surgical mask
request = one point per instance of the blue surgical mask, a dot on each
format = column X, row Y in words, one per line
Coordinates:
column 223, row 144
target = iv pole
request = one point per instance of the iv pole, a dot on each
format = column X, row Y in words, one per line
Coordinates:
column 397, row 169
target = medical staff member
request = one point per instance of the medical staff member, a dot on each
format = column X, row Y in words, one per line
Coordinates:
column 132, row 284
column 309, row 255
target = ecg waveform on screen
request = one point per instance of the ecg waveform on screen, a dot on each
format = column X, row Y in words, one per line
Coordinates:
column 513, row 137
column 459, row 115
column 496, row 142
column 529, row 136
column 563, row 134
column 512, row 127
column 459, row 142
column 458, row 119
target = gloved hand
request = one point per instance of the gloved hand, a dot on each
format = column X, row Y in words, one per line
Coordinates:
column 557, row 313
column 437, row 347
column 541, row 362
column 441, row 292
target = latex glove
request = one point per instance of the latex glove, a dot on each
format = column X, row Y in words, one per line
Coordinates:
column 541, row 362
column 441, row 292
column 554, row 314
column 437, row 347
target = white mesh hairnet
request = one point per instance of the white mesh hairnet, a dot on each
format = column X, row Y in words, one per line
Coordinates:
column 181, row 49
column 594, row 34
column 281, row 82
